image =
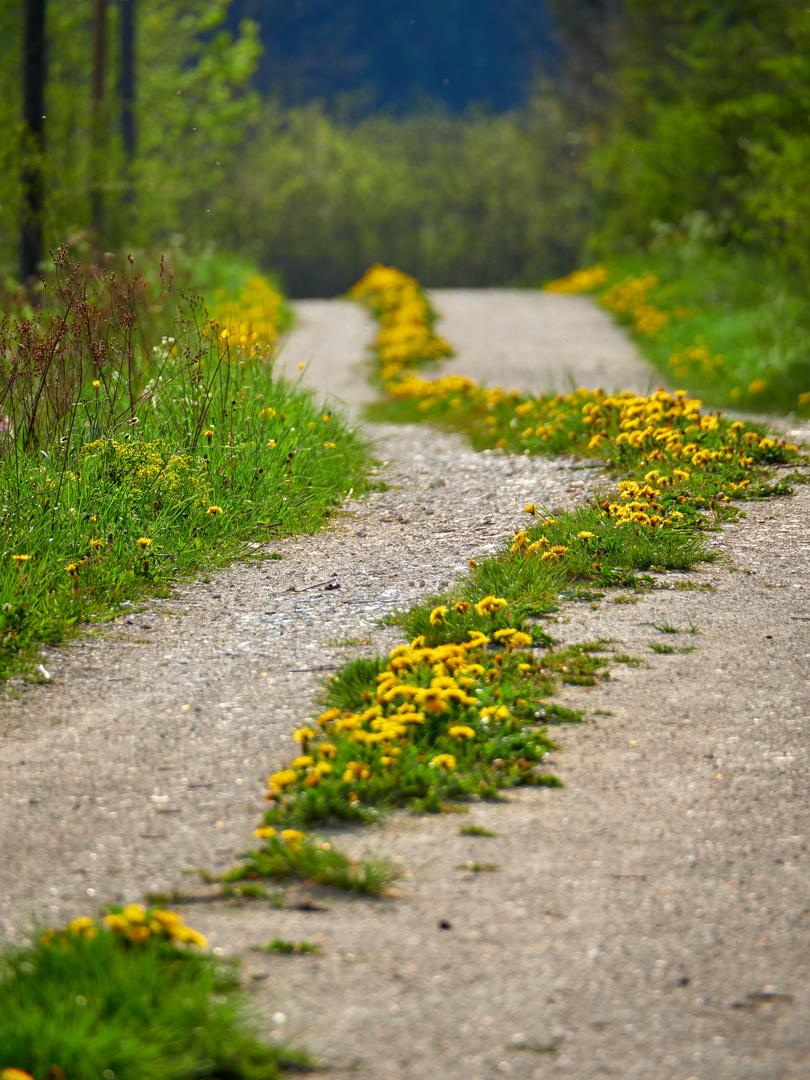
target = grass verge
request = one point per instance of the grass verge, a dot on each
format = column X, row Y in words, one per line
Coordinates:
column 125, row 462
column 128, row 997
column 714, row 320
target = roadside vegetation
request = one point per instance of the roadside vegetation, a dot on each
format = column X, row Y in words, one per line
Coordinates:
column 143, row 437
column 128, row 995
column 727, row 325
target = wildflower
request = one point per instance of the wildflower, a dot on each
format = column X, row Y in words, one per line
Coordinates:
column 489, row 605
column 134, row 913
column 73, row 570
column 96, row 384
column 330, row 446
column 584, row 535
column 281, row 780
column 83, row 927
column 265, row 832
column 443, row 761
column 757, row 386
column 272, row 444
column 461, row 731
column 96, row 544
column 20, row 558
column 214, row 510
column 530, row 508
column 303, row 735
column 303, row 762
column 437, row 616
column 143, row 542
column 462, row 607
column 209, row 435
column 15, row 1074
column 300, row 367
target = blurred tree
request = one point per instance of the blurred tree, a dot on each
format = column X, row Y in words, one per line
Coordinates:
column 126, row 85
column 193, row 108
column 709, row 97
column 33, row 71
column 98, row 125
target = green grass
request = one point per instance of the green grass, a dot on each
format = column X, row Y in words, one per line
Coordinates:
column 160, row 460
column 306, row 858
column 288, row 948
column 475, row 830
column 103, row 1007
column 751, row 314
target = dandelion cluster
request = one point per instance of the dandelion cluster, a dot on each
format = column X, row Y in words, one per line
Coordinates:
column 406, row 339
column 252, row 322
column 580, row 281
column 628, row 299
column 133, row 923
column 443, row 720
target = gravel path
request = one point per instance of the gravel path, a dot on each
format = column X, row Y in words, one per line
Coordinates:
column 650, row 919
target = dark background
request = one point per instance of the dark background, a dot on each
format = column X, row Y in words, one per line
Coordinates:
column 395, row 53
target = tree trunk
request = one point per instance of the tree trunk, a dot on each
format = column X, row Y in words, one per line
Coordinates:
column 98, row 123
column 33, row 118
column 126, row 82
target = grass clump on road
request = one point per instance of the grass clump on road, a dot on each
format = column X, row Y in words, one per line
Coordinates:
column 125, row 462
column 128, row 996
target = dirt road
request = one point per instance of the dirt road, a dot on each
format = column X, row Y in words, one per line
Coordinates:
column 650, row 919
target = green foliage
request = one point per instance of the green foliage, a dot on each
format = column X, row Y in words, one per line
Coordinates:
column 102, row 1006
column 193, row 105
column 292, row 855
column 737, row 321
column 471, row 200
column 709, row 115
column 124, row 462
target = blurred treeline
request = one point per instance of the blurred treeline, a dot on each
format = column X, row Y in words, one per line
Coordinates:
column 659, row 117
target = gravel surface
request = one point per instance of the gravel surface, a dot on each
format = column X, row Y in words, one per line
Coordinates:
column 649, row 919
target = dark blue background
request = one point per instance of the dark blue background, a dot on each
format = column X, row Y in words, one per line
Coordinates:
column 394, row 53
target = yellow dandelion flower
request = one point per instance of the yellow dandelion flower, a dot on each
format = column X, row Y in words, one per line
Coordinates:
column 437, row 616
column 265, row 832
column 77, row 926
column 20, row 558
column 530, row 508
column 758, row 386
column 462, row 607
column 280, row 780
column 303, row 735
column 143, row 542
column 292, row 836
column 134, row 913
column 443, row 761
column 330, row 446
column 214, row 510
column 585, row 535
column 461, row 731
column 96, row 384
column 489, row 605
